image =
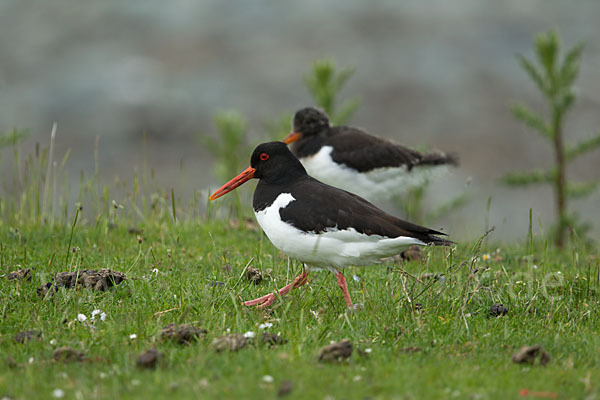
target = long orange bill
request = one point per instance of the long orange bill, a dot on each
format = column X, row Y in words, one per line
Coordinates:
column 246, row 175
column 292, row 137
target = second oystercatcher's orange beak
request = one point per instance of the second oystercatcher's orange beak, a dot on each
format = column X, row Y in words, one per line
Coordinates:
column 292, row 137
column 239, row 180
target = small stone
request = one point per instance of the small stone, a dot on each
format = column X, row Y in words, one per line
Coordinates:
column 528, row 354
column 149, row 359
column 498, row 310
column 26, row 336
column 254, row 275
column 20, row 275
column 231, row 342
column 413, row 253
column 183, row 334
column 336, row 351
column 67, row 354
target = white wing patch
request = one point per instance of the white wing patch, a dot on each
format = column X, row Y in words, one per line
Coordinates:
column 334, row 247
column 378, row 184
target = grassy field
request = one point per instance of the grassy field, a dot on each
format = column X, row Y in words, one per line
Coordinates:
column 413, row 336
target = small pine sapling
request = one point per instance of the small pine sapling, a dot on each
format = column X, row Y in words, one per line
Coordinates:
column 555, row 81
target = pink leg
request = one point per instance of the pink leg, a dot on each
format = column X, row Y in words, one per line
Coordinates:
column 268, row 299
column 341, row 280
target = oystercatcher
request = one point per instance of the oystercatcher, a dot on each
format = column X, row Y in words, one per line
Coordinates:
column 352, row 159
column 320, row 225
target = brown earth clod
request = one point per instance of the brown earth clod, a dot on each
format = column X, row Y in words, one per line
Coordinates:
column 528, row 354
column 184, row 334
column 26, row 336
column 254, row 275
column 102, row 280
column 148, row 359
column 67, row 354
column 231, row 342
column 498, row 310
column 336, row 351
column 413, row 253
column 22, row 274
column 272, row 339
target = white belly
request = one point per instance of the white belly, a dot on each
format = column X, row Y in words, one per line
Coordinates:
column 378, row 184
column 333, row 248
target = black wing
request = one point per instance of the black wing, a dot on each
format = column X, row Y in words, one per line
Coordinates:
column 319, row 206
column 364, row 152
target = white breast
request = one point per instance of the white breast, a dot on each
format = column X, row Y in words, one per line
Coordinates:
column 378, row 184
column 333, row 248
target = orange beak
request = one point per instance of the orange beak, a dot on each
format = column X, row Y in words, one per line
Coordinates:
column 292, row 137
column 239, row 180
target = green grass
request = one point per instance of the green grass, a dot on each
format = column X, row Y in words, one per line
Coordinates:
column 552, row 297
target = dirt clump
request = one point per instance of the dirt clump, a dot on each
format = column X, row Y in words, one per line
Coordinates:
column 148, row 359
column 498, row 310
column 413, row 253
column 272, row 339
column 102, row 280
column 285, row 388
column 528, row 355
column 231, row 342
column 22, row 274
column 254, row 275
column 67, row 354
column 26, row 336
column 184, row 334
column 336, row 351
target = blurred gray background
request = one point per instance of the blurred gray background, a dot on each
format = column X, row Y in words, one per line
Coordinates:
column 429, row 73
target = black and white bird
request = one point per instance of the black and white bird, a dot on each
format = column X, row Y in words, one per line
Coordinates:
column 354, row 160
column 320, row 225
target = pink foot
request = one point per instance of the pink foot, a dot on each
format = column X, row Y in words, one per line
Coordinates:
column 341, row 280
column 268, row 299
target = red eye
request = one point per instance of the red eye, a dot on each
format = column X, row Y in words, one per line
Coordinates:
column 264, row 156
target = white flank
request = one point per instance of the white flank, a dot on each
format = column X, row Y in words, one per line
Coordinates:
column 332, row 248
column 378, row 184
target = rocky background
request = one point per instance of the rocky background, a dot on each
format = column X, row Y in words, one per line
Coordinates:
column 429, row 73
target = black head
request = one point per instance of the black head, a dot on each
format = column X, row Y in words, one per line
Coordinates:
column 273, row 162
column 310, row 121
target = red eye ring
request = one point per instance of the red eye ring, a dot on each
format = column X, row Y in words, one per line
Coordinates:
column 264, row 156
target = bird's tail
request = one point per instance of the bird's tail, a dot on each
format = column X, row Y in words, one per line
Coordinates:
column 438, row 241
column 439, row 158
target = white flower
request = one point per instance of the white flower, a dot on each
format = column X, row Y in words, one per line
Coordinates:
column 368, row 350
column 133, row 336
column 58, row 393
column 31, row 360
column 94, row 313
column 81, row 317
column 249, row 334
column 486, row 257
column 534, row 266
column 155, row 271
column 228, row 330
column 103, row 375
column 356, row 278
column 102, row 316
column 268, row 379
column 265, row 325
column 357, row 378
column 53, row 342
